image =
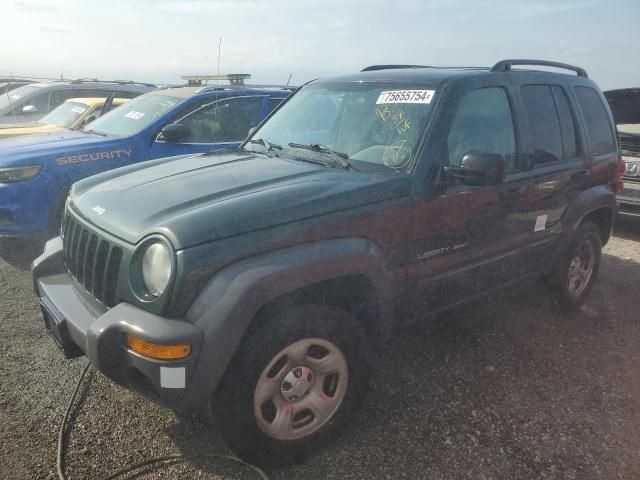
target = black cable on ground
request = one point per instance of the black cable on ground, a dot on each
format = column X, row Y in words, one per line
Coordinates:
column 163, row 459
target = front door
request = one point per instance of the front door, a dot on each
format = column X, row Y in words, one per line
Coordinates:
column 464, row 235
column 218, row 125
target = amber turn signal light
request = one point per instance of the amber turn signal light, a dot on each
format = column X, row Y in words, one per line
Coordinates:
column 157, row 351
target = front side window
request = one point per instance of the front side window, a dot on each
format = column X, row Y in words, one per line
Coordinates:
column 598, row 124
column 227, row 120
column 134, row 116
column 483, row 123
column 378, row 124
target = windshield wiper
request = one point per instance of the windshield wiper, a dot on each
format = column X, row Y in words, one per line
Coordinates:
column 338, row 159
column 94, row 132
column 268, row 145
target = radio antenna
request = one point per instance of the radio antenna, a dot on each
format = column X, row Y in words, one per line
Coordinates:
column 288, row 81
column 215, row 109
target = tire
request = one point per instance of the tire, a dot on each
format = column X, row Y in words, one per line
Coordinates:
column 284, row 357
column 575, row 274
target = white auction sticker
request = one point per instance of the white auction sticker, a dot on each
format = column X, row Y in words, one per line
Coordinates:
column 135, row 115
column 78, row 110
column 405, row 96
column 541, row 223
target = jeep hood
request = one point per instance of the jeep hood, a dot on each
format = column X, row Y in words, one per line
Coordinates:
column 200, row 198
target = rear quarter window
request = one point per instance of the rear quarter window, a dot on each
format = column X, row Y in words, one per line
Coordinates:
column 598, row 124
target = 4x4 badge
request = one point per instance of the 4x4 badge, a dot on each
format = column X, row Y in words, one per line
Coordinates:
column 99, row 210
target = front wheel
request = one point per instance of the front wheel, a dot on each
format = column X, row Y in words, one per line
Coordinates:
column 575, row 274
column 293, row 383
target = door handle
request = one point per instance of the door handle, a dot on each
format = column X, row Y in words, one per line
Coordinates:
column 516, row 190
column 580, row 175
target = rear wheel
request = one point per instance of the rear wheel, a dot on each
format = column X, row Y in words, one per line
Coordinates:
column 574, row 276
column 293, row 383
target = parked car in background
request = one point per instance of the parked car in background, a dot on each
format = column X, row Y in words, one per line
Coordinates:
column 625, row 106
column 263, row 281
column 73, row 114
column 32, row 102
column 11, row 83
column 36, row 171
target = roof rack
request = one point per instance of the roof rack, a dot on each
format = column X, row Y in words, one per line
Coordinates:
column 505, row 65
column 118, row 82
column 372, row 68
column 211, row 88
column 234, row 78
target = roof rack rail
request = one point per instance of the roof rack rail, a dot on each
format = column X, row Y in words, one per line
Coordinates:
column 211, row 88
column 372, row 68
column 505, row 66
column 118, row 82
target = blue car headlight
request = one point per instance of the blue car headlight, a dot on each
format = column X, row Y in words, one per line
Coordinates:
column 19, row 174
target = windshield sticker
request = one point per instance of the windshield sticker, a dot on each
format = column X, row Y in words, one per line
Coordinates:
column 78, row 110
column 400, row 121
column 16, row 97
column 405, row 96
column 396, row 155
column 135, row 115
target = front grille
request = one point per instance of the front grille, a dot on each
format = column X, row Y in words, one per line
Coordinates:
column 93, row 261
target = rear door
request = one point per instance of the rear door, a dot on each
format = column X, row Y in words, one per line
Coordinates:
column 558, row 165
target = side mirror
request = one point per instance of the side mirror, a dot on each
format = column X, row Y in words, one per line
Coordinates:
column 478, row 168
column 29, row 109
column 174, row 133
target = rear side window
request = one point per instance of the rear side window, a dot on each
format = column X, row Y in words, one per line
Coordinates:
column 544, row 123
column 483, row 123
column 598, row 124
column 567, row 125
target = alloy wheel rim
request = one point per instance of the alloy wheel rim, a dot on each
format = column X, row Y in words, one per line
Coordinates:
column 581, row 268
column 301, row 389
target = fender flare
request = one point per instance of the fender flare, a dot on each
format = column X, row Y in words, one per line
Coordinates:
column 582, row 205
column 227, row 304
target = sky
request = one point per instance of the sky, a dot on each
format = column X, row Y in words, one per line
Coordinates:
column 159, row 40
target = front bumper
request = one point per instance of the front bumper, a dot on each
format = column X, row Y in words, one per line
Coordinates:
column 81, row 325
column 629, row 198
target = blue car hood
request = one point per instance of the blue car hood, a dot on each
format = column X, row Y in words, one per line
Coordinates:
column 34, row 149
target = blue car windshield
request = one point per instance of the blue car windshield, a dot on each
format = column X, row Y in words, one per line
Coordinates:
column 377, row 123
column 134, row 116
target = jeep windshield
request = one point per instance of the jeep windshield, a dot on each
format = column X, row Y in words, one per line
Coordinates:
column 134, row 116
column 66, row 114
column 371, row 124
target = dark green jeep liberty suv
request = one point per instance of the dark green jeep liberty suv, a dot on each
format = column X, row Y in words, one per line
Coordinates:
column 261, row 282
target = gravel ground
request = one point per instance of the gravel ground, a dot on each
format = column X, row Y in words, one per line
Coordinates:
column 509, row 389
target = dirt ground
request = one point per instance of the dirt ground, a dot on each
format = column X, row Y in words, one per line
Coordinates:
column 506, row 389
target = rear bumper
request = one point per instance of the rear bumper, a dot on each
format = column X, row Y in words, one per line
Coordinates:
column 81, row 325
column 629, row 198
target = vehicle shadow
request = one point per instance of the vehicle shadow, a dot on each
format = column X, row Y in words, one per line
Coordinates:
column 487, row 381
column 20, row 253
column 627, row 227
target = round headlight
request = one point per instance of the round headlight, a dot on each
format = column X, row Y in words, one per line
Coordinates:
column 156, row 268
